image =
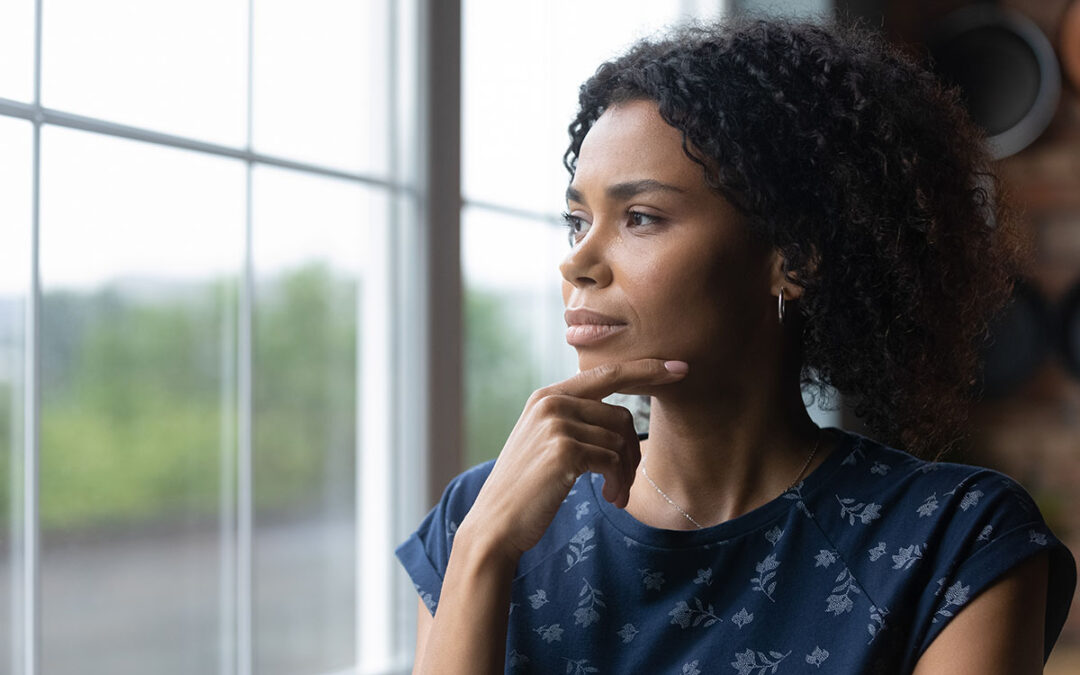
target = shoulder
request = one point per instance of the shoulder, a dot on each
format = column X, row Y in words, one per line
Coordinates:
column 461, row 491
column 882, row 504
column 898, row 489
column 881, row 495
column 426, row 553
column 933, row 535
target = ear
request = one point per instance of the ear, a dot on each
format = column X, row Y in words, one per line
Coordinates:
column 779, row 277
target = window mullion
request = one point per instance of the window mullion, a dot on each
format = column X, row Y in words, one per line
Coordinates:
column 245, row 620
column 30, row 529
column 31, row 524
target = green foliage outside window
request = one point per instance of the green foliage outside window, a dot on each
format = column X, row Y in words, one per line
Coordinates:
column 500, row 373
column 139, row 398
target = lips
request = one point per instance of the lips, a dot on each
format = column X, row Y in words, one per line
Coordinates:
column 581, row 315
column 586, row 327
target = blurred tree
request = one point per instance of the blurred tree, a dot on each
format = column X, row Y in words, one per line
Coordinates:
column 305, row 378
column 137, row 387
column 131, row 414
column 500, row 373
column 137, row 390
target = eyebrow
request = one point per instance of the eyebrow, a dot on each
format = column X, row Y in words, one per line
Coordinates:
column 624, row 191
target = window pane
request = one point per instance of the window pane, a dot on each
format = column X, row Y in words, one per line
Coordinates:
column 140, row 247
column 320, row 82
column 308, row 237
column 520, row 88
column 515, row 337
column 177, row 67
column 17, row 50
column 15, row 203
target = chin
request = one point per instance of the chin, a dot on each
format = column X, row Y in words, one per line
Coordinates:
column 589, row 358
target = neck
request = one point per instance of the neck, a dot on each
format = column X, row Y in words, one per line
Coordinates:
column 721, row 456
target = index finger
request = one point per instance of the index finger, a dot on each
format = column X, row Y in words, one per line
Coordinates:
column 604, row 380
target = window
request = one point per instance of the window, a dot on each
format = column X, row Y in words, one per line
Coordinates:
column 199, row 471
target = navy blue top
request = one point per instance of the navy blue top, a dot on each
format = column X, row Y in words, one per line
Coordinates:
column 854, row 570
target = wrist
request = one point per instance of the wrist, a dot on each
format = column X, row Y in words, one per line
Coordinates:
column 483, row 548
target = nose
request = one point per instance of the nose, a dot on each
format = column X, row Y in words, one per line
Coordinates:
column 586, row 264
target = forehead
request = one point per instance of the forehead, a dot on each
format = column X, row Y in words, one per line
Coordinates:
column 631, row 141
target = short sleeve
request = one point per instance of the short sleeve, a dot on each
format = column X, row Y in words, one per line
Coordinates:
column 426, row 553
column 994, row 526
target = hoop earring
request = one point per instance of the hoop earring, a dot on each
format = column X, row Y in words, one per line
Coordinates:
column 780, row 306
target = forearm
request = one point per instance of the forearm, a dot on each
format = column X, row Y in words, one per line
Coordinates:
column 468, row 633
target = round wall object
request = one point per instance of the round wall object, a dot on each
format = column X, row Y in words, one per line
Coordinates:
column 1006, row 69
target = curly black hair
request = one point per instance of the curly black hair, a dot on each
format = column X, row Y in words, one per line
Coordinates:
column 867, row 174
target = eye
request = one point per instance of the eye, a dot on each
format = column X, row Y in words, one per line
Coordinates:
column 575, row 226
column 638, row 218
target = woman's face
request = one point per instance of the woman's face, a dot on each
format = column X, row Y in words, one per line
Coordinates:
column 659, row 252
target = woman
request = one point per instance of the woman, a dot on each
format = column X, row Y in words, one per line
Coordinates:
column 754, row 207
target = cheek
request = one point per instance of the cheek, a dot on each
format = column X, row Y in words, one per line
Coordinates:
column 679, row 302
column 697, row 305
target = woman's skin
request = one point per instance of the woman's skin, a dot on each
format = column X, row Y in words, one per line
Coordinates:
column 659, row 251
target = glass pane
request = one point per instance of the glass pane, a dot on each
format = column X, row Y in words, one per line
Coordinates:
column 17, row 50
column 15, row 204
column 515, row 337
column 140, row 247
column 308, row 238
column 176, row 67
column 320, row 82
column 520, row 88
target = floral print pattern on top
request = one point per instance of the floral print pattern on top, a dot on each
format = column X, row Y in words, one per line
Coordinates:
column 763, row 582
column 686, row 616
column 829, row 577
column 589, row 605
column 579, row 547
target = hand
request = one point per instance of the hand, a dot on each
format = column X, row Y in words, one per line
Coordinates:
column 564, row 431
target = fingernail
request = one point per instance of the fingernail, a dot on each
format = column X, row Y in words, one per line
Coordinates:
column 679, row 367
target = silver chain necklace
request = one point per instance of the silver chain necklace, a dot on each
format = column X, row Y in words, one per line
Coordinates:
column 698, row 525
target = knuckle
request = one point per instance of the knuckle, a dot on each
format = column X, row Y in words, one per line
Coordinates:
column 538, row 396
column 569, row 457
column 542, row 403
column 564, row 448
column 547, row 404
column 558, row 426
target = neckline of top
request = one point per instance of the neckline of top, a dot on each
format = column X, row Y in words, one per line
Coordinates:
column 748, row 522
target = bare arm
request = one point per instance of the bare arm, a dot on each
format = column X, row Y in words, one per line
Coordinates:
column 423, row 627
column 564, row 431
column 468, row 632
column 1000, row 632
